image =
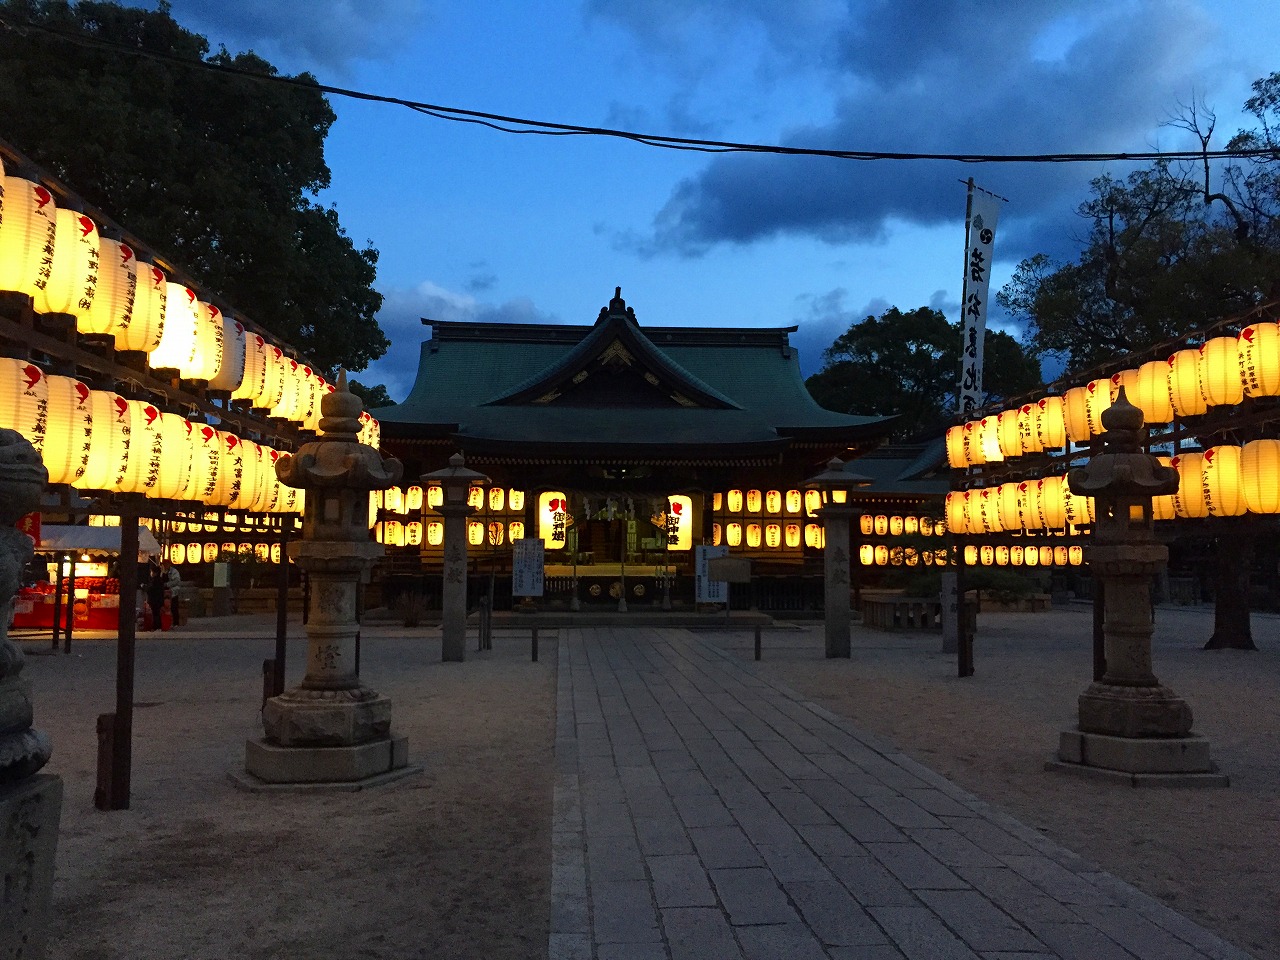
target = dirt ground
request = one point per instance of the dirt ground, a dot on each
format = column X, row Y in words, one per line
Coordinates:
column 1211, row 854
column 452, row 862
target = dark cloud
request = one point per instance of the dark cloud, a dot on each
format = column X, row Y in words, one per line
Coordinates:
column 924, row 76
column 316, row 33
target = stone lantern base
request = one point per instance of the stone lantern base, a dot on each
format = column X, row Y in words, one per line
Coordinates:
column 335, row 739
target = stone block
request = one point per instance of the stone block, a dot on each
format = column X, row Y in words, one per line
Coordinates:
column 1189, row 754
column 1121, row 711
column 29, row 813
column 333, row 721
column 276, row 764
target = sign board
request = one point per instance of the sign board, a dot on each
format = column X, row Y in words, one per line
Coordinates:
column 29, row 523
column 221, row 574
column 706, row 589
column 950, row 612
column 729, row 569
column 527, row 567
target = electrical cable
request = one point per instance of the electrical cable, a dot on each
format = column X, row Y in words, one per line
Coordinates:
column 523, row 125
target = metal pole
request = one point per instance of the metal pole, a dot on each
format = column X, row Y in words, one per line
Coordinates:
column 282, row 611
column 122, row 729
column 58, row 560
column 71, row 593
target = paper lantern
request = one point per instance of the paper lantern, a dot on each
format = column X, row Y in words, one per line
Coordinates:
column 896, row 526
column 475, row 498
column 986, row 518
column 435, row 533
column 262, row 551
column 990, row 439
column 553, row 519
column 926, row 526
column 1012, row 506
column 112, row 306
column 145, row 326
column 957, row 509
column 1126, row 379
column 413, row 533
column 1075, row 413
column 956, row 454
column 413, row 499
column 1188, row 499
column 393, row 500
column 1050, row 497
column 1151, row 393
column 717, row 499
column 866, row 524
column 1002, row 556
column 792, row 534
column 679, row 523
column 881, row 555
column 812, row 501
column 773, row 535
column 205, row 445
column 794, row 501
column 73, row 279
column 910, row 526
column 496, row 533
column 1060, row 556
column 987, row 555
column 1162, row 506
column 307, row 412
column 286, row 407
column 254, row 484
column 773, row 501
column 1015, row 556
column 880, row 525
column 1220, row 381
column 108, row 447
column 210, row 552
column 733, row 501
column 231, row 362
column 515, row 500
column 1097, row 401
column 497, row 497
column 970, row 556
column 24, row 400
column 435, row 496
column 69, row 432
column 255, row 368
column 1259, row 475
column 27, row 237
column 753, row 535
column 733, row 534
column 717, row 534
column 866, row 554
column 274, row 378
column 1258, row 349
column 972, row 438
column 179, row 341
column 145, row 446
column 193, row 552
column 515, row 530
column 1220, row 475
column 754, row 501
column 1028, row 417
column 1079, row 510
column 1184, row 384
column 1075, row 556
column 1051, row 424
column 1007, row 431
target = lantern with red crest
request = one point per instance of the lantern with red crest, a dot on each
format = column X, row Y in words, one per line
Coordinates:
column 112, row 307
column 74, row 277
column 1258, row 350
column 24, row 399
column 67, row 439
column 150, row 308
column 231, row 368
column 27, row 237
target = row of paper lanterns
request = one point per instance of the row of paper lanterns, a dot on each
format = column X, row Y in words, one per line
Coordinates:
column 98, row 440
column 60, row 260
column 412, row 499
column 1221, row 372
column 1222, row 481
column 413, row 533
column 194, row 552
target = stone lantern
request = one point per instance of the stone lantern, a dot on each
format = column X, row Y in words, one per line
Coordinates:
column 456, row 481
column 331, row 728
column 834, row 484
column 1132, row 728
column 30, row 802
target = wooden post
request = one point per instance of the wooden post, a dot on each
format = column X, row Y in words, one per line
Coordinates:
column 122, row 730
column 757, row 641
column 282, row 610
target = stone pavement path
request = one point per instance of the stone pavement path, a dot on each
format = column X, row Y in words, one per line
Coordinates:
column 702, row 812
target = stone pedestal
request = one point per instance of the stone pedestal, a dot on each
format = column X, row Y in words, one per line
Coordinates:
column 29, row 814
column 453, row 600
column 836, row 610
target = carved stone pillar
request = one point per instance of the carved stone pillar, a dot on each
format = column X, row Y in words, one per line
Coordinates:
column 30, row 802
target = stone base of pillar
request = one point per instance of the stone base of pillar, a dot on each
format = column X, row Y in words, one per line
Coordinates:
column 1119, row 711
column 271, row 766
column 1139, row 761
column 29, row 814
column 326, row 718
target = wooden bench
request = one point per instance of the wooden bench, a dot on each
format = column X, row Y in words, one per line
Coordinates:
column 902, row 613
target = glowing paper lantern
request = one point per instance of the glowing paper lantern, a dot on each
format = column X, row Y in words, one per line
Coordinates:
column 972, row 439
column 1015, row 556
column 733, row 534
column 254, row 380
column 475, row 498
column 1075, row 404
column 896, row 526
column 393, row 500
column 73, row 279
column 1220, row 372
column 24, row 400
column 27, row 237
column 794, row 501
column 882, row 555
column 679, row 523
column 986, row 555
column 957, row 509
column 1051, row 424
column 112, row 306
column 1060, row 556
column 970, row 556
column 496, row 533
column 413, row 499
column 515, row 529
column 990, row 439
column 734, row 501
column 1079, row 510
column 274, row 378
column 515, row 500
column 206, row 462
column 1162, row 506
column 193, row 552
column 1007, row 431
column 866, row 555
column 717, row 534
column 1028, row 416
column 231, row 363
column 553, row 519
column 1012, row 506
column 1184, row 384
column 150, row 310
column 881, row 525
column 1097, row 401
column 716, row 500
column 773, row 501
column 812, row 501
column 987, row 518
column 792, row 533
column 1258, row 348
column 910, row 525
column 1002, row 556
column 497, row 496
column 145, row 446
column 1052, row 502
column 109, row 449
column 773, row 535
column 866, row 523
column 1128, row 379
column 1151, row 393
column 1075, row 556
column 180, row 339
column 1188, row 499
column 956, row 454
column 413, row 533
column 753, row 535
column 1220, row 476
column 435, row 496
column 435, row 533
column 1259, row 475
column 69, row 432
column 754, row 501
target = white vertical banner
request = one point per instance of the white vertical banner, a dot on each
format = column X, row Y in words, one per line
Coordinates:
column 980, row 239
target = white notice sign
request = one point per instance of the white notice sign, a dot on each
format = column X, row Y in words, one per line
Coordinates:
column 526, row 570
column 706, row 589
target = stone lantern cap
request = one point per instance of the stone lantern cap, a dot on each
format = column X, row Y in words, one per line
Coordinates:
column 456, row 475
column 1123, row 469
column 336, row 458
column 836, row 477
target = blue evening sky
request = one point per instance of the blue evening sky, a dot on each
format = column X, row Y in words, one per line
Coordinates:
column 475, row 224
